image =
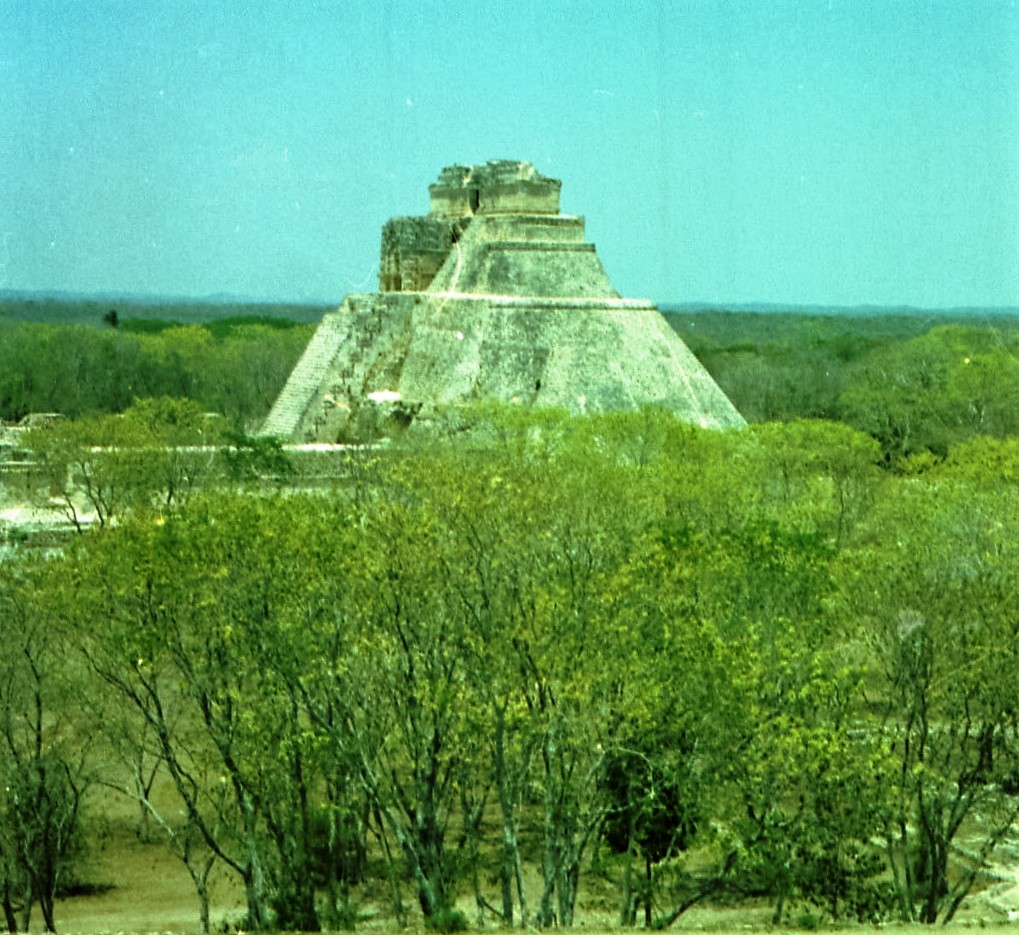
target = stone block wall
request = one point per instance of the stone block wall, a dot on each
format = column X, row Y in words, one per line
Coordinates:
column 413, row 251
column 530, row 228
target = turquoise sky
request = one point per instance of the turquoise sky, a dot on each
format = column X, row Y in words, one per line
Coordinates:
column 818, row 151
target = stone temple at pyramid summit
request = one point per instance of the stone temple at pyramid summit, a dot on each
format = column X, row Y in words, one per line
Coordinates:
column 493, row 295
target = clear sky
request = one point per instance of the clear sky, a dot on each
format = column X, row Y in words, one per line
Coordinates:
column 792, row 151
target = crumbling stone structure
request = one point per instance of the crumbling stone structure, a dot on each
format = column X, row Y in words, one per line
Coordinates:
column 413, row 251
column 494, row 294
column 492, row 210
column 498, row 187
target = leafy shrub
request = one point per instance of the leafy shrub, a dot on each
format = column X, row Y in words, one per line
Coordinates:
column 446, row 921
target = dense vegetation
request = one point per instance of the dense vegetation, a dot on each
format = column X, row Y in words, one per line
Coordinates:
column 915, row 383
column 69, row 309
column 493, row 661
column 751, row 663
column 235, row 367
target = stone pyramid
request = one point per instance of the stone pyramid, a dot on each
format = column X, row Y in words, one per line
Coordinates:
column 493, row 295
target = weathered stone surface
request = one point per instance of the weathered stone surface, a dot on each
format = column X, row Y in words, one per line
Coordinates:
column 499, row 224
column 505, row 302
column 500, row 186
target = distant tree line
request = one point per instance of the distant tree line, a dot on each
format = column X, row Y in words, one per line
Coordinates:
column 478, row 671
column 916, row 384
column 235, row 368
column 98, row 311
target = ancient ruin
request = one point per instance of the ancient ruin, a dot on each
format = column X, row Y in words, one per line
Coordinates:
column 493, row 295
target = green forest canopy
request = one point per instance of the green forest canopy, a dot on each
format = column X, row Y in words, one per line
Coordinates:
column 790, row 679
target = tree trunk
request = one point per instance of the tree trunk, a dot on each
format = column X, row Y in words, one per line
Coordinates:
column 627, row 904
column 546, row 915
column 506, row 879
column 518, row 870
column 5, row 898
column 293, row 896
column 254, row 877
column 305, row 917
column 201, row 881
column 566, row 884
column 254, row 894
column 776, row 916
column 937, row 882
column 479, row 898
column 203, row 910
column 426, row 857
column 46, row 907
column 295, row 902
column 399, row 909
column 510, row 867
column 552, row 857
column 648, row 890
column 28, row 898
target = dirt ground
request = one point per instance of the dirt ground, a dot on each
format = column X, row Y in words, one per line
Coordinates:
column 153, row 893
column 149, row 891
